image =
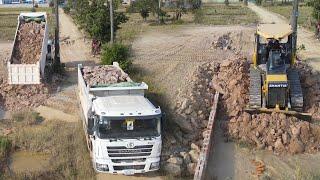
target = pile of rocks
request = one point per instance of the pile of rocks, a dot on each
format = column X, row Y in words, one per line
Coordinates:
column 27, row 49
column 277, row 132
column 17, row 97
column 183, row 164
column 223, row 42
column 193, row 107
column 104, row 74
column 310, row 82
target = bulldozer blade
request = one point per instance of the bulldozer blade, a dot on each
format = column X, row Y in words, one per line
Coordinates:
column 303, row 116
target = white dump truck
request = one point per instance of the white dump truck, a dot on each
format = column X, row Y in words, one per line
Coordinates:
column 30, row 50
column 123, row 128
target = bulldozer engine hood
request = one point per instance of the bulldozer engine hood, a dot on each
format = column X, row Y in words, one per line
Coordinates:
column 277, row 78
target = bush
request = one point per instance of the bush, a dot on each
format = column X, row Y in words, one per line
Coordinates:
column 66, row 9
column 5, row 146
column 116, row 53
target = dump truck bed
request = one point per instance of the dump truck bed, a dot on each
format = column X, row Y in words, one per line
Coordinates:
column 23, row 70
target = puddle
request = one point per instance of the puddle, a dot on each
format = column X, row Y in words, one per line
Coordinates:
column 28, row 161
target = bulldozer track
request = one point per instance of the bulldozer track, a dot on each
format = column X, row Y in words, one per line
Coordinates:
column 296, row 96
column 255, row 88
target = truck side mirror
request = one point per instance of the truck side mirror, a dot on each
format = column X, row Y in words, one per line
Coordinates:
column 90, row 127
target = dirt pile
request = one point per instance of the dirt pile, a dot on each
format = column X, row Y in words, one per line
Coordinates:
column 276, row 132
column 193, row 107
column 310, row 82
column 99, row 75
column 27, row 49
column 17, row 97
column 223, row 42
column 236, row 42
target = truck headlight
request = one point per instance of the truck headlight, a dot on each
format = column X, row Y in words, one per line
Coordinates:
column 102, row 167
column 154, row 165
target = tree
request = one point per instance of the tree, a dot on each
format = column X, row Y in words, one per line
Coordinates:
column 316, row 9
column 93, row 17
column 226, row 2
column 143, row 7
column 180, row 9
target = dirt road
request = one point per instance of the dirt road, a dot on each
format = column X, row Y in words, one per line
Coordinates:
column 305, row 37
column 73, row 50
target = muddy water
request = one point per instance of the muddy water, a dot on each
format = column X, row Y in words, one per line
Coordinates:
column 28, row 161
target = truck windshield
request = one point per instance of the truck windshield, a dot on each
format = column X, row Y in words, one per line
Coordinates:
column 108, row 128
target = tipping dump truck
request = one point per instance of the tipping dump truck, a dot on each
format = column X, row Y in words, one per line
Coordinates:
column 123, row 128
column 31, row 50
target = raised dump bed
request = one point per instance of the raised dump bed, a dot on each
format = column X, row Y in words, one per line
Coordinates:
column 30, row 48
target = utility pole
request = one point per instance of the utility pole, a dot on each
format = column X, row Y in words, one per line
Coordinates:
column 294, row 25
column 56, row 62
column 159, row 11
column 111, row 23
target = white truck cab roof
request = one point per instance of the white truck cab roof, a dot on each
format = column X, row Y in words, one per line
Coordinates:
column 124, row 105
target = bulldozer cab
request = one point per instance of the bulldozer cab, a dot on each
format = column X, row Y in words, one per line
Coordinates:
column 276, row 64
column 273, row 42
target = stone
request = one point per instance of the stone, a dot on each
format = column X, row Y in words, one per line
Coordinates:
column 184, row 124
column 173, row 169
column 195, row 147
column 295, row 131
column 194, row 155
column 296, row 146
column 186, row 157
column 191, row 167
column 278, row 145
column 285, row 138
column 175, row 160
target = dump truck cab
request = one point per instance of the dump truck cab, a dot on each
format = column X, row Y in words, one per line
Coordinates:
column 274, row 83
column 123, row 128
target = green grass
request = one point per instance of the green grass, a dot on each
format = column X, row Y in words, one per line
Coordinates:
column 219, row 14
column 305, row 14
column 9, row 20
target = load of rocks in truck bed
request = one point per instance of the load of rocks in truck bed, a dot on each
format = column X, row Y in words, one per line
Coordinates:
column 27, row 48
column 277, row 132
column 103, row 74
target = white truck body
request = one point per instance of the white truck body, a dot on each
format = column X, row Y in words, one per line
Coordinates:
column 28, row 73
column 118, row 154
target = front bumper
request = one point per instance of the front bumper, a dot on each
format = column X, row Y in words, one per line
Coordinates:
column 127, row 168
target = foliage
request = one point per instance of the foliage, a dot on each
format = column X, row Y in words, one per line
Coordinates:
column 143, row 7
column 66, row 9
column 258, row 2
column 5, row 145
column 180, row 9
column 63, row 143
column 226, row 2
column 116, row 53
column 195, row 4
column 94, row 17
column 316, row 9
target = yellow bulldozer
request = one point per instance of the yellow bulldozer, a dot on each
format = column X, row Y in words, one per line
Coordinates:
column 274, row 81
